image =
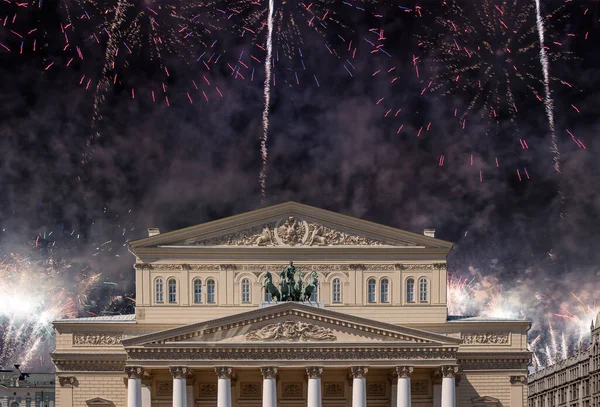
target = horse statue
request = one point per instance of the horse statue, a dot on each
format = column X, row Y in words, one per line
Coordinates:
column 270, row 287
column 286, row 282
column 312, row 285
column 298, row 286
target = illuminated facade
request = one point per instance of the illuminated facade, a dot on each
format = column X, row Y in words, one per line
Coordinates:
column 573, row 382
column 375, row 331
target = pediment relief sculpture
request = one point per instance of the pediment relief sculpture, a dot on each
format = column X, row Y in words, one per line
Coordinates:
column 291, row 331
column 289, row 231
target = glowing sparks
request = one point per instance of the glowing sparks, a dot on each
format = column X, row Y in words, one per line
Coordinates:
column 267, row 94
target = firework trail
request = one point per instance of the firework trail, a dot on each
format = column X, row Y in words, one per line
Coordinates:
column 265, row 116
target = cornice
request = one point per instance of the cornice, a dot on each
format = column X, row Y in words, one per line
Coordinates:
column 301, row 267
column 275, row 212
column 301, row 253
column 201, row 353
column 295, row 310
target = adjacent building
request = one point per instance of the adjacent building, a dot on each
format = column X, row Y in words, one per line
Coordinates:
column 22, row 389
column 573, row 382
column 362, row 321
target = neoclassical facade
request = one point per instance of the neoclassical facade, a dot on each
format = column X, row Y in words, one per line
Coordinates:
column 372, row 327
column 573, row 382
column 23, row 389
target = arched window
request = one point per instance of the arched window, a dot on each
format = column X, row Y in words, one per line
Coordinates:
column 197, row 291
column 384, row 290
column 245, row 291
column 210, row 291
column 314, row 297
column 423, row 290
column 410, row 290
column 371, row 290
column 337, row 290
column 172, row 291
column 159, row 290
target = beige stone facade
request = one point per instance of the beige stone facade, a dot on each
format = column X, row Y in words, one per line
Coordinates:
column 376, row 332
column 573, row 382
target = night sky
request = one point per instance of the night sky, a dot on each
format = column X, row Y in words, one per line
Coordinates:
column 330, row 145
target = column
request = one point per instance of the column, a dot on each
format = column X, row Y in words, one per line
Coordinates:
column 223, row 386
column 189, row 390
column 437, row 388
column 448, row 385
column 134, row 385
column 393, row 378
column 146, row 391
column 517, row 385
column 359, row 386
column 404, row 385
column 269, row 386
column 314, row 386
column 179, row 385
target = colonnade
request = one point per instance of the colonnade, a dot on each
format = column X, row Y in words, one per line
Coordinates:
column 401, row 397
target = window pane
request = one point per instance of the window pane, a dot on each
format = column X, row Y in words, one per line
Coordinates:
column 385, row 290
column 159, row 290
column 198, row 291
column 371, row 290
column 172, row 291
column 410, row 290
column 423, row 290
column 210, row 291
column 337, row 290
column 245, row 290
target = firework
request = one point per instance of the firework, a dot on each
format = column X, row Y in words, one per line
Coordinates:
column 490, row 53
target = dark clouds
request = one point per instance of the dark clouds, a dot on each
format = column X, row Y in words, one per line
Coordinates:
column 328, row 146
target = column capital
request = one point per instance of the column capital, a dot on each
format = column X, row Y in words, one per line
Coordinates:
column 404, row 372
column 269, row 372
column 393, row 377
column 359, row 372
column 224, row 372
column 147, row 380
column 518, row 380
column 314, row 372
column 448, row 371
column 180, row 372
column 134, row 372
column 67, row 381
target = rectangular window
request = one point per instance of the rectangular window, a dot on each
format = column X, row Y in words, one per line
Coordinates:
column 337, row 290
column 385, row 285
column 210, row 292
column 410, row 290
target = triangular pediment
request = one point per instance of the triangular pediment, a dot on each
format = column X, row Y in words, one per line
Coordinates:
column 290, row 225
column 288, row 323
column 485, row 401
column 99, row 402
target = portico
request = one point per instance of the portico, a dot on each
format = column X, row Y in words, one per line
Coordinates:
column 273, row 390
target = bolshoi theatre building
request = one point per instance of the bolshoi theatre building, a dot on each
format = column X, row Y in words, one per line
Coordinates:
column 225, row 319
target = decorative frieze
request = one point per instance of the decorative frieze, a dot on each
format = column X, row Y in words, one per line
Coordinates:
column 97, row 339
column 269, row 372
column 486, row 338
column 207, row 389
column 253, row 354
column 419, row 387
column 359, row 372
column 292, row 390
column 164, row 388
column 334, row 389
column 291, row 331
column 89, row 366
column 250, row 390
column 67, row 381
column 314, row 372
column 491, row 364
column 375, row 389
column 223, row 372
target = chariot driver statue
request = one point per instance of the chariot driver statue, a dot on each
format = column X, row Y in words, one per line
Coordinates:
column 291, row 286
column 286, row 282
